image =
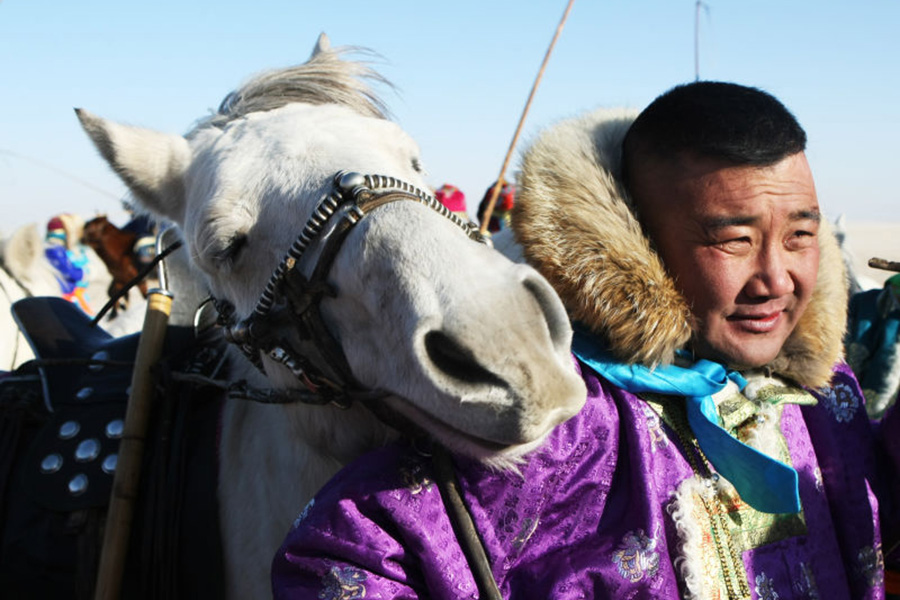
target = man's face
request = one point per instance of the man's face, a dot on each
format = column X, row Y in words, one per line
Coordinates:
column 741, row 243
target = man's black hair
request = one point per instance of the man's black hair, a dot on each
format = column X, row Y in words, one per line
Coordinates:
column 710, row 119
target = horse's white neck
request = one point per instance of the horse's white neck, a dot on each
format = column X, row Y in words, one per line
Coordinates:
column 273, row 459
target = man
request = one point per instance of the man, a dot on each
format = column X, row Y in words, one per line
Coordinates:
column 64, row 252
column 453, row 199
column 500, row 216
column 724, row 450
column 735, row 219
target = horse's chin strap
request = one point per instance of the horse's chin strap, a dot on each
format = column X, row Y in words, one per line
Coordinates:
column 287, row 324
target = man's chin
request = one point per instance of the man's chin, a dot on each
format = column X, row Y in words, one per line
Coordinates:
column 740, row 355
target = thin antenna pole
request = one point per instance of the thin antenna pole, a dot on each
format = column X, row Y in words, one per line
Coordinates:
column 489, row 209
column 697, row 41
column 699, row 5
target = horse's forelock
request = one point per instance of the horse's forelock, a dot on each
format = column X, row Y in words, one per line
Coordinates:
column 323, row 79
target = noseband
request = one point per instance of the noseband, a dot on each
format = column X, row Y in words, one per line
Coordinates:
column 287, row 324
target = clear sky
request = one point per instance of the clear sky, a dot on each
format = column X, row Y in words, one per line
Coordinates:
column 462, row 71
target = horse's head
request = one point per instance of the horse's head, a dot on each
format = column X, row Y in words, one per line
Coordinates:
column 22, row 256
column 94, row 230
column 468, row 345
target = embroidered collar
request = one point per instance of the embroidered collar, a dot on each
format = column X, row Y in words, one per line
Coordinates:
column 764, row 483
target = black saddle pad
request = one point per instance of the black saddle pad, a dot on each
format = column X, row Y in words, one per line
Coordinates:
column 60, row 420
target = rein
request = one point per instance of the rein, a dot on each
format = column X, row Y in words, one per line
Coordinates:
column 286, row 325
column 463, row 526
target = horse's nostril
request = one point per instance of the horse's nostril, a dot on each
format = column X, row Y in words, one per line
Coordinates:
column 456, row 361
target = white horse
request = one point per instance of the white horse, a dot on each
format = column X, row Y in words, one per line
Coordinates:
column 24, row 272
column 452, row 336
column 856, row 281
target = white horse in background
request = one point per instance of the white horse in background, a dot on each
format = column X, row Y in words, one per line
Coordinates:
column 24, row 272
column 454, row 337
column 856, row 281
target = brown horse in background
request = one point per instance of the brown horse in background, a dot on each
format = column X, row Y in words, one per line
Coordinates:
column 115, row 247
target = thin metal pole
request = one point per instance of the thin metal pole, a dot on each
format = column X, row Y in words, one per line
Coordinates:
column 699, row 5
column 489, row 209
column 697, row 42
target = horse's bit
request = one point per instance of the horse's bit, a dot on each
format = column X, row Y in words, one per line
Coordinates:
column 299, row 283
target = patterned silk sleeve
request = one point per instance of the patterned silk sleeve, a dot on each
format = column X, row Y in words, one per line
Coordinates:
column 339, row 554
column 377, row 530
column 870, row 457
column 889, row 430
column 318, row 565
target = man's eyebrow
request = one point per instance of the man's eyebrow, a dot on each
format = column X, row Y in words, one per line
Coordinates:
column 806, row 215
column 715, row 223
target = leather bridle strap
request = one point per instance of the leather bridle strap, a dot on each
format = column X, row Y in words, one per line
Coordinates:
column 463, row 526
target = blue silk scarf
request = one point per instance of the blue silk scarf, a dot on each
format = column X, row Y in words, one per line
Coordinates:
column 764, row 483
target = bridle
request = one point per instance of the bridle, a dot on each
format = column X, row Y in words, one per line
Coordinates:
column 286, row 325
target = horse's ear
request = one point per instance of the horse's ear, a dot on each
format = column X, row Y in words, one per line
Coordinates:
column 152, row 164
column 323, row 44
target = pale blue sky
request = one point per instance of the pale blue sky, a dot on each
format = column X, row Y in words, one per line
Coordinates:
column 462, row 69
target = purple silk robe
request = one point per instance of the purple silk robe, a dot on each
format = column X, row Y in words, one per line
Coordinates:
column 610, row 507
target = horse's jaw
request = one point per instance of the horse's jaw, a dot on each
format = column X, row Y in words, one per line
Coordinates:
column 341, row 433
column 505, row 457
column 344, row 434
column 496, row 419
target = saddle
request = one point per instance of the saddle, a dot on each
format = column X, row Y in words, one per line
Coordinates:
column 61, row 419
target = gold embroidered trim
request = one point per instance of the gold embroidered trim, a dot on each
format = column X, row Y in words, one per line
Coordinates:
column 732, row 526
column 732, row 575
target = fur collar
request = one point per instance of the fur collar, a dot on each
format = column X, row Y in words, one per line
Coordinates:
column 575, row 225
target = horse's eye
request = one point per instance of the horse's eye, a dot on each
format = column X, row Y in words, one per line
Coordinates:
column 416, row 165
column 233, row 250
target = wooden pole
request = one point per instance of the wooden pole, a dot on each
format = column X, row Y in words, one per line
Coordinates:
column 489, row 209
column 131, row 449
column 884, row 264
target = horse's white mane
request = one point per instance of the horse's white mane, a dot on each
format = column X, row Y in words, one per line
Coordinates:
column 324, row 79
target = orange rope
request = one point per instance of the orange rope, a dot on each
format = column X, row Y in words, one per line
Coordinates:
column 489, row 210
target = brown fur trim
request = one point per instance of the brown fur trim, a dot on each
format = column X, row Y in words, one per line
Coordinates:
column 575, row 225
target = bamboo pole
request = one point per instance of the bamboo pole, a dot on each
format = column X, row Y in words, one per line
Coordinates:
column 489, row 209
column 131, row 449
